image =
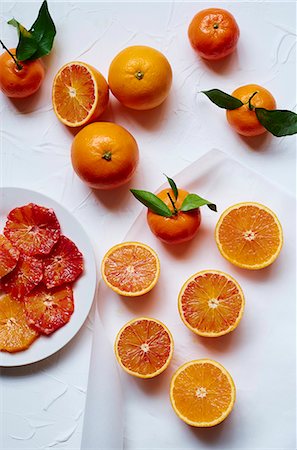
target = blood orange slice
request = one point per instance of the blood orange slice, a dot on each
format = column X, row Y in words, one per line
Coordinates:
column 249, row 235
column 202, row 393
column 33, row 229
column 211, row 303
column 27, row 274
column 47, row 310
column 9, row 256
column 63, row 265
column 131, row 268
column 15, row 333
column 144, row 347
column 80, row 94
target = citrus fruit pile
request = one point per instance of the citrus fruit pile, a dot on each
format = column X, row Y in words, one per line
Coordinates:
column 38, row 266
column 210, row 303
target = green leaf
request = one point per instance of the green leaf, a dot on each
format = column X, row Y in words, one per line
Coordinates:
column 173, row 186
column 222, row 99
column 152, row 202
column 44, row 31
column 279, row 122
column 27, row 45
column 38, row 41
column 193, row 201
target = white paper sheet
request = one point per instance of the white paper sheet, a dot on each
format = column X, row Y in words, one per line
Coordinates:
column 260, row 354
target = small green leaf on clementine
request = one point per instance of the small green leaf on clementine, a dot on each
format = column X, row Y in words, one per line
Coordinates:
column 152, row 202
column 193, row 201
column 280, row 122
column 44, row 31
column 222, row 99
column 173, row 186
column 27, row 44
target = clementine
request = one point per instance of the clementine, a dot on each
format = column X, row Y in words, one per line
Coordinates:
column 140, row 77
column 181, row 226
column 20, row 79
column 213, row 33
column 244, row 119
column 104, row 155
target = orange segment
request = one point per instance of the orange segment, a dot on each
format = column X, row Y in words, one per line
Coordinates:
column 144, row 347
column 249, row 235
column 202, row 393
column 131, row 268
column 9, row 256
column 211, row 303
column 15, row 333
column 80, row 94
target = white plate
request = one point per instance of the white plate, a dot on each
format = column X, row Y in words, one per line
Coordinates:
column 84, row 288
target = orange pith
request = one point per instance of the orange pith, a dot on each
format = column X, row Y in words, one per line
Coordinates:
column 131, row 268
column 202, row 393
column 211, row 303
column 249, row 235
column 144, row 347
column 80, row 94
column 15, row 333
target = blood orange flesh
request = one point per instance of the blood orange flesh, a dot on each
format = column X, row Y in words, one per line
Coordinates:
column 27, row 274
column 80, row 94
column 15, row 333
column 9, row 256
column 144, row 347
column 47, row 310
column 211, row 303
column 33, row 229
column 131, row 268
column 63, row 265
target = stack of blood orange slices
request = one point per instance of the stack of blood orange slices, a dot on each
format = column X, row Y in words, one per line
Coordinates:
column 38, row 266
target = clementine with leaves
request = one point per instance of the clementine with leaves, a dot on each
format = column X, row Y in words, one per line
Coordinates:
column 251, row 111
column 173, row 214
column 21, row 69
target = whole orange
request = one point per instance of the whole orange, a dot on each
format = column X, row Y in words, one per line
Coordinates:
column 20, row 83
column 104, row 155
column 178, row 228
column 244, row 119
column 213, row 33
column 140, row 77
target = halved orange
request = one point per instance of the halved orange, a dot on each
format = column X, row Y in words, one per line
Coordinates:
column 144, row 347
column 202, row 393
column 15, row 333
column 211, row 303
column 249, row 235
column 80, row 94
column 131, row 268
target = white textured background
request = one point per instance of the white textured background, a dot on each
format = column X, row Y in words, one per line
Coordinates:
column 42, row 406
